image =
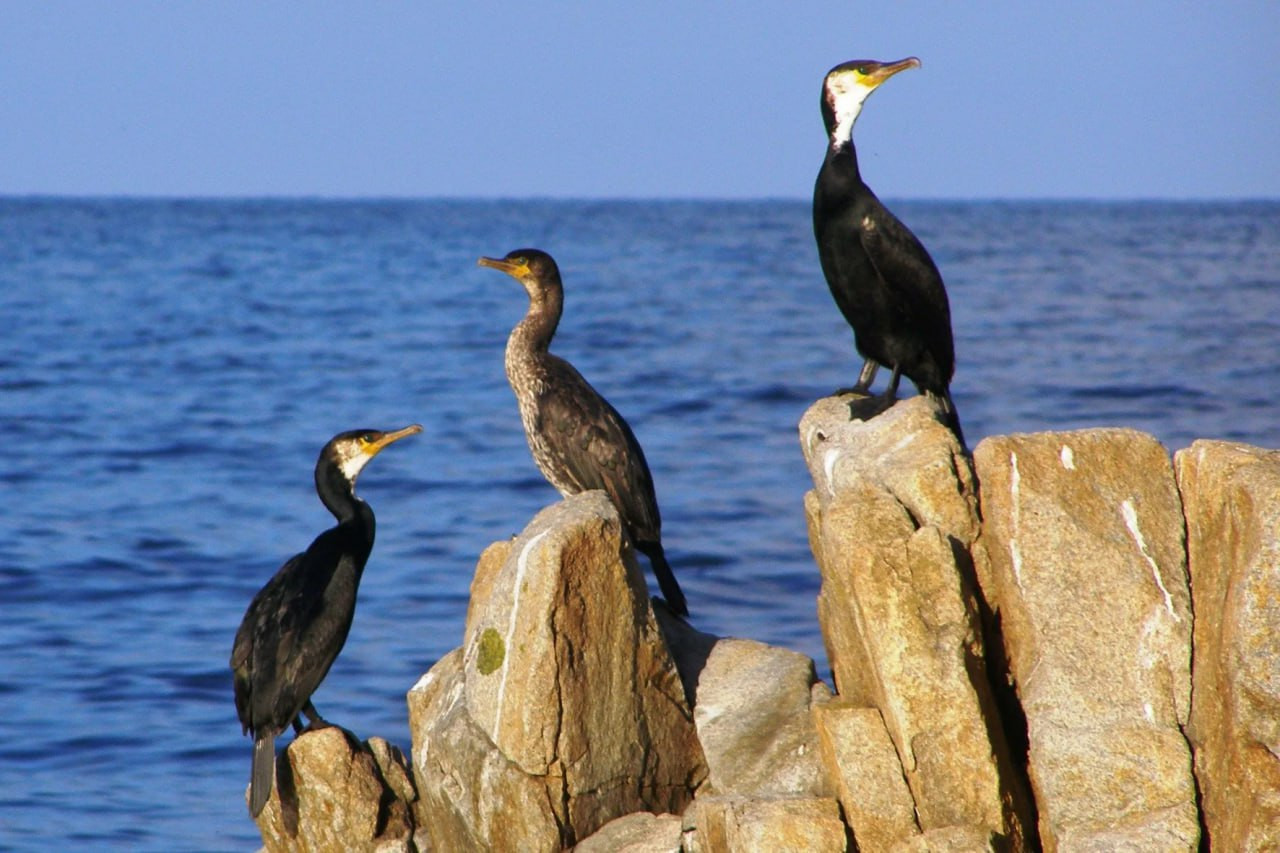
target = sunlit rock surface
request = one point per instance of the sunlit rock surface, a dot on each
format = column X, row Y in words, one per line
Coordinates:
column 564, row 710
column 1082, row 557
column 1231, row 493
column 1011, row 638
column 334, row 792
column 891, row 518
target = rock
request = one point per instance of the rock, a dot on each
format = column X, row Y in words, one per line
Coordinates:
column 892, row 513
column 335, row 793
column 580, row 712
column 950, row 839
column 642, row 832
column 867, row 775
column 728, row 824
column 902, row 451
column 567, row 710
column 487, row 568
column 1231, row 496
column 472, row 798
column 754, row 721
column 1081, row 556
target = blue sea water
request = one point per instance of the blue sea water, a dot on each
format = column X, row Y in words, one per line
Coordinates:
column 170, row 369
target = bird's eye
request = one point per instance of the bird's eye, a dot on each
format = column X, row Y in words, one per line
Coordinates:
column 862, row 70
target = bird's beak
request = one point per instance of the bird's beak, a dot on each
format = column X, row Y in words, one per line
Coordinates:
column 884, row 72
column 391, row 437
column 511, row 269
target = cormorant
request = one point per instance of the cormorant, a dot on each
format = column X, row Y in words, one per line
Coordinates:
column 578, row 440
column 296, row 624
column 883, row 280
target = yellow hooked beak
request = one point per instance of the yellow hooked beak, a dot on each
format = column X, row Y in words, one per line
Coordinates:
column 879, row 74
column 511, row 268
column 374, row 447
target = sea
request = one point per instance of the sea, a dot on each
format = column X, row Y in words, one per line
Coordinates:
column 169, row 370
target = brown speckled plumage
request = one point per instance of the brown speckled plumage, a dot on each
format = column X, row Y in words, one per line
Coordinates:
column 577, row 439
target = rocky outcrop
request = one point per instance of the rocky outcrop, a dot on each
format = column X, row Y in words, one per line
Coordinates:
column 891, row 518
column 1231, row 496
column 574, row 702
column 1013, row 638
column 334, row 792
column 1082, row 558
column 1055, row 613
column 752, row 711
column 564, row 709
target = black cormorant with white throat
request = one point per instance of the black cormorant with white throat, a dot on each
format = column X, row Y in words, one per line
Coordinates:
column 296, row 624
column 578, row 440
column 882, row 278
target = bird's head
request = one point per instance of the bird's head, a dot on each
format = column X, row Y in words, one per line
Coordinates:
column 350, row 451
column 845, row 88
column 533, row 268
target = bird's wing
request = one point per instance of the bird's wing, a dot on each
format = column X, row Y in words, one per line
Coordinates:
column 254, row 654
column 905, row 265
column 312, row 623
column 596, row 448
column 287, row 650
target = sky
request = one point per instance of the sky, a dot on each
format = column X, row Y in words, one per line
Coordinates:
column 1086, row 99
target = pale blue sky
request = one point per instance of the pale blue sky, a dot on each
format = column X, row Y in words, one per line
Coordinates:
column 1080, row 99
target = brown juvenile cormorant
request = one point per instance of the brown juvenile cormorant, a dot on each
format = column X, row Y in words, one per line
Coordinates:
column 883, row 280
column 578, row 440
column 296, row 624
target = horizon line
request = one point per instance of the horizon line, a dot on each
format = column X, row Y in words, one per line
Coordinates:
column 540, row 198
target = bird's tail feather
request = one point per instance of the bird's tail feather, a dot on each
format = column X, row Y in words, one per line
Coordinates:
column 666, row 578
column 264, row 772
column 950, row 417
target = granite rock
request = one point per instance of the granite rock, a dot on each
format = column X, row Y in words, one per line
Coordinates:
column 1081, row 555
column 565, row 709
column 1231, row 495
column 891, row 518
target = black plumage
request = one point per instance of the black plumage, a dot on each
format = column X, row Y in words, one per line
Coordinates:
column 297, row 624
column 577, row 439
column 882, row 278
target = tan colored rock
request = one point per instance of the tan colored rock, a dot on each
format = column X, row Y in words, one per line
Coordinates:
column 950, row 839
column 890, row 517
column 472, row 798
column 727, row 824
column 867, row 775
column 642, row 832
column 905, row 451
column 1081, row 554
column 568, row 711
column 488, row 566
column 1231, row 495
column 754, row 720
column 335, row 793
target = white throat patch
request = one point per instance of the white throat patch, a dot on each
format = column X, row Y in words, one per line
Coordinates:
column 845, row 94
column 351, row 460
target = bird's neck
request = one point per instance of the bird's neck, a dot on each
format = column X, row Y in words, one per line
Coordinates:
column 844, row 113
column 531, row 338
column 843, row 155
column 338, row 495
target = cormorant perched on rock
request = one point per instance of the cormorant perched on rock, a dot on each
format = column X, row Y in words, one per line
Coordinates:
column 883, row 280
column 296, row 624
column 578, row 440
